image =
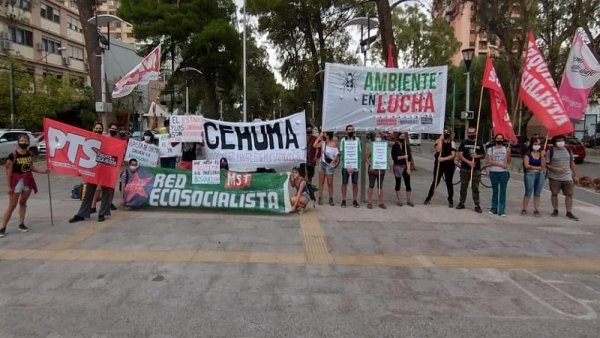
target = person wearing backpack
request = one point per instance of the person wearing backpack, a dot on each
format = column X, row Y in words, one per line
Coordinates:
column 498, row 158
column 534, row 164
column 301, row 198
column 19, row 175
column 561, row 175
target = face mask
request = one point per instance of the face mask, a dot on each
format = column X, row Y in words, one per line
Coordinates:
column 401, row 140
column 97, row 131
column 471, row 137
column 536, row 147
column 446, row 136
column 378, row 139
column 350, row 134
column 112, row 132
column 499, row 142
column 309, row 132
column 23, row 145
column 560, row 144
column 133, row 167
column 147, row 138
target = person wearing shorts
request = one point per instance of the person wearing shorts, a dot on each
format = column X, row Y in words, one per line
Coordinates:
column 401, row 157
column 19, row 175
column 330, row 157
column 561, row 175
column 375, row 177
column 347, row 172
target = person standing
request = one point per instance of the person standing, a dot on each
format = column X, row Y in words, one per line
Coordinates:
column 470, row 153
column 375, row 175
column 330, row 157
column 402, row 157
column 350, row 148
column 20, row 182
column 170, row 161
column 307, row 169
column 498, row 158
column 561, row 175
column 534, row 164
column 445, row 152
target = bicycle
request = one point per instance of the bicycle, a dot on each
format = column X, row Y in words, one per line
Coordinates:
column 484, row 175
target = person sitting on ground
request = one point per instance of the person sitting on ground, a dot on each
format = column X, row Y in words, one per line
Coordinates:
column 301, row 198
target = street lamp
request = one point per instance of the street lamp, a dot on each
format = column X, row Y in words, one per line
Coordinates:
column 187, row 94
column 467, row 55
column 369, row 23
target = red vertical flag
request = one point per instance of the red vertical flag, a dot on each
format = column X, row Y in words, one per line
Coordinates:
column 539, row 93
column 500, row 117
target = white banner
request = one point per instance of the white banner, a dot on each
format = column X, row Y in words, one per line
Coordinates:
column 186, row 128
column 146, row 154
column 267, row 144
column 379, row 155
column 142, row 74
column 165, row 148
column 351, row 155
column 387, row 99
column 206, row 172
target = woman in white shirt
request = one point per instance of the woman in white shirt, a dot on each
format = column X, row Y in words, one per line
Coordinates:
column 498, row 159
column 330, row 157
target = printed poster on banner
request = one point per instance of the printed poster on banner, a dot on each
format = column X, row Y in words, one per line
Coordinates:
column 171, row 188
column 165, row 148
column 379, row 155
column 186, row 128
column 146, row 154
column 78, row 152
column 351, row 154
column 387, row 99
column 206, row 172
column 247, row 146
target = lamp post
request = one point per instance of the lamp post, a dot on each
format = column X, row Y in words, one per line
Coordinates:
column 468, row 58
column 187, row 93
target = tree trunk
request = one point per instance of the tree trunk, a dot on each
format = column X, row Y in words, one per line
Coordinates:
column 386, row 31
column 90, row 35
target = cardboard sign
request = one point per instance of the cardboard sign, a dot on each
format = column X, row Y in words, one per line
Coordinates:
column 186, row 128
column 351, row 154
column 165, row 149
column 379, row 155
column 146, row 154
column 206, row 172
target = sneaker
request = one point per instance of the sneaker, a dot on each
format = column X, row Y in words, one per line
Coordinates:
column 502, row 215
column 492, row 212
column 320, row 201
column 382, row 206
column 76, row 219
column 399, row 203
column 478, row 209
column 554, row 213
column 355, row 204
column 524, row 212
column 93, row 211
column 450, row 205
column 100, row 218
column 301, row 211
column 536, row 214
column 460, row 206
column 427, row 202
column 113, row 207
column 2, row 232
column 410, row 204
column 343, row 203
column 331, row 202
column 23, row 228
column 572, row 217
column 369, row 206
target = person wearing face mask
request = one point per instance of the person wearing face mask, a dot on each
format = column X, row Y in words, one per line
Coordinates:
column 127, row 176
column 445, row 151
column 301, row 198
column 561, row 175
column 353, row 171
column 402, row 156
column 20, row 182
column 498, row 158
column 330, row 157
column 534, row 164
column 470, row 153
column 148, row 137
column 375, row 176
column 98, row 129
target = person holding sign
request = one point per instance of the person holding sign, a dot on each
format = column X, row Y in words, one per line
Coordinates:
column 401, row 157
column 167, row 161
column 377, row 156
column 351, row 152
column 330, row 158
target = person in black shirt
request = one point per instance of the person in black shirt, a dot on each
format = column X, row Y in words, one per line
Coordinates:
column 470, row 153
column 445, row 150
column 402, row 156
column 19, row 168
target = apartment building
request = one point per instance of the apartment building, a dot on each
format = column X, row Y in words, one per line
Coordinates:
column 465, row 28
column 46, row 35
column 116, row 30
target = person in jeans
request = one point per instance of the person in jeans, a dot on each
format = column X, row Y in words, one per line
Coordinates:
column 470, row 153
column 402, row 156
column 561, row 175
column 498, row 158
column 534, row 164
column 445, row 152
column 348, row 172
column 330, row 157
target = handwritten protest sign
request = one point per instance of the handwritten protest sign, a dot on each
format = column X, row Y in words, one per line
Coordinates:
column 350, row 154
column 165, row 148
column 206, row 172
column 379, row 153
column 186, row 128
column 146, row 154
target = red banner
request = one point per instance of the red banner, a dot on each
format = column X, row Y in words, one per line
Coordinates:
column 500, row 117
column 539, row 93
column 78, row 152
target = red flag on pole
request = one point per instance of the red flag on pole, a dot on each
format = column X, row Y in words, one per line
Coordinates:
column 390, row 57
column 500, row 118
column 538, row 92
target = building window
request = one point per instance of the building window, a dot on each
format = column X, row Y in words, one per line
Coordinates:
column 51, row 46
column 76, row 53
column 74, row 24
column 50, row 13
column 21, row 36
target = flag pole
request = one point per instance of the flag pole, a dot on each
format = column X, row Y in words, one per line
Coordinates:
column 50, row 199
column 476, row 134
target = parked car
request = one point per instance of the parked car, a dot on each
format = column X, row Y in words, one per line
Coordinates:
column 573, row 144
column 8, row 141
column 414, row 139
column 41, row 144
column 592, row 143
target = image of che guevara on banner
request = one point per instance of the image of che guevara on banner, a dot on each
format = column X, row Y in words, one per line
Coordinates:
column 267, row 144
column 387, row 99
column 161, row 187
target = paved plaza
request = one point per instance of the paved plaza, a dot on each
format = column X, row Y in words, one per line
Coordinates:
column 427, row 271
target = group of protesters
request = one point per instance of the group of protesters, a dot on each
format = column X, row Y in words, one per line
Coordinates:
column 324, row 155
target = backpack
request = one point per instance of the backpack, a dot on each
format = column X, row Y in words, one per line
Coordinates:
column 76, row 192
column 311, row 189
column 552, row 154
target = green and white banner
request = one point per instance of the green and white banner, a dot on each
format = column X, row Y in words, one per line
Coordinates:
column 172, row 188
